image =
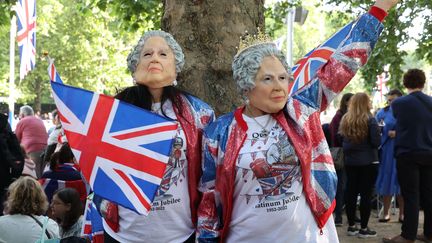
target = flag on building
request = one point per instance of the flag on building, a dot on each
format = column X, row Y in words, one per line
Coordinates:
column 26, row 37
column 122, row 149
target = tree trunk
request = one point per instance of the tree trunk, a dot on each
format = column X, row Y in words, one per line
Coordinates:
column 38, row 91
column 209, row 32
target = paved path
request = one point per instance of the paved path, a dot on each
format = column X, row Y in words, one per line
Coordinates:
column 392, row 228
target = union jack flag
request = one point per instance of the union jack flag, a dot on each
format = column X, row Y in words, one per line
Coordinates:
column 122, row 149
column 92, row 225
column 50, row 186
column 26, row 14
column 52, row 72
column 305, row 68
column 274, row 186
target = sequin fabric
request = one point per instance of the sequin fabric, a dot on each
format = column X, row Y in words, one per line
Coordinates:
column 224, row 138
column 195, row 116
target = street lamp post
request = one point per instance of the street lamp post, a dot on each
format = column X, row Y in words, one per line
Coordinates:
column 293, row 15
column 289, row 36
column 12, row 70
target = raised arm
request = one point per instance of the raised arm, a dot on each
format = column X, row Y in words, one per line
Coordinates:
column 385, row 5
column 351, row 54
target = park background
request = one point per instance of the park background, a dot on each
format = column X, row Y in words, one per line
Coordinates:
column 90, row 39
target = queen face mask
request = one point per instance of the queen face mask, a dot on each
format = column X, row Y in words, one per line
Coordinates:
column 156, row 68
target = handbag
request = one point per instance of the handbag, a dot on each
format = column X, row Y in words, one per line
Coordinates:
column 338, row 157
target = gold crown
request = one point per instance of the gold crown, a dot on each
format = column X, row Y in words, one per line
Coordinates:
column 248, row 40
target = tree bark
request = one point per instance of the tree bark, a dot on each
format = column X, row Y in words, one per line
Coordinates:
column 209, row 32
column 38, row 91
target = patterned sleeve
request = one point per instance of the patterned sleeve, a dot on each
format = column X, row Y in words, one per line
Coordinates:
column 204, row 113
column 207, row 117
column 341, row 67
column 208, row 226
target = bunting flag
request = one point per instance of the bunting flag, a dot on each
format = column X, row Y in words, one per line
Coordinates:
column 122, row 149
column 253, row 141
column 305, row 69
column 266, row 140
column 248, row 198
column 26, row 37
column 244, row 172
column 254, row 155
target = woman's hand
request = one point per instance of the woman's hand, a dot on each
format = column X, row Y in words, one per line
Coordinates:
column 392, row 133
column 385, row 5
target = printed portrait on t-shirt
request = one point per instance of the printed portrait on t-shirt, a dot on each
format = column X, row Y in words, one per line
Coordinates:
column 175, row 171
column 268, row 166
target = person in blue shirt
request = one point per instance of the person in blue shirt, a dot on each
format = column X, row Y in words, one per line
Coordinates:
column 387, row 184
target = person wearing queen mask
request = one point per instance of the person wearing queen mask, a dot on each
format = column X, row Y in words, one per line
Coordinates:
column 268, row 174
column 154, row 64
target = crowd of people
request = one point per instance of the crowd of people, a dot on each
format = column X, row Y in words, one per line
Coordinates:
column 266, row 161
column 39, row 200
column 375, row 148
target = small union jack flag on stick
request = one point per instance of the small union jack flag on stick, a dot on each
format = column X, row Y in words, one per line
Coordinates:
column 92, row 225
column 52, row 72
column 122, row 149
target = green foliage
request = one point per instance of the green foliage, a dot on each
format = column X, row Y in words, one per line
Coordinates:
column 88, row 48
column 411, row 60
column 424, row 50
column 5, row 11
column 4, row 54
column 130, row 15
column 388, row 50
column 90, row 39
column 317, row 27
column 275, row 15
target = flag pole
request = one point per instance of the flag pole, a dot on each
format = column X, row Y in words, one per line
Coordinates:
column 289, row 36
column 13, row 30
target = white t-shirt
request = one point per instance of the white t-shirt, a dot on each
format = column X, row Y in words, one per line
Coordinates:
column 269, row 203
column 170, row 217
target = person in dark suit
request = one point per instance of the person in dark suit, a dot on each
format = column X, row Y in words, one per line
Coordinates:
column 413, row 152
